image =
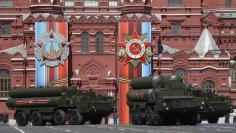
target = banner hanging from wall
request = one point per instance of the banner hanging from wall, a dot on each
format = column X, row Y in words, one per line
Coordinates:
column 51, row 52
column 135, row 55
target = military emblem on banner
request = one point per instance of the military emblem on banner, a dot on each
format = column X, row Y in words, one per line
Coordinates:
column 135, row 49
column 52, row 49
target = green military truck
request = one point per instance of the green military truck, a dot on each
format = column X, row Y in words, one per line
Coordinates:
column 214, row 106
column 58, row 105
column 162, row 101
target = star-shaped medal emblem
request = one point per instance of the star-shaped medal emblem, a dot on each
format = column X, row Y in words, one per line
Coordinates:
column 134, row 49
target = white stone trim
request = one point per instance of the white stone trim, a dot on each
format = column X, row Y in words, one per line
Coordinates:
column 184, row 14
column 168, row 69
column 29, row 30
column 156, row 58
column 209, row 59
column 42, row 5
column 221, row 10
column 30, row 69
column 180, row 7
column 66, row 13
column 18, row 69
column 209, row 67
column 17, row 59
column 77, row 33
column 22, row 69
column 8, row 18
column 75, row 79
column 3, row 98
column 30, row 58
column 154, row 30
column 21, row 59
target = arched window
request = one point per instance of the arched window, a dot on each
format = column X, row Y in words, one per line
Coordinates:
column 99, row 41
column 208, row 84
column 5, row 82
column 85, row 42
column 181, row 73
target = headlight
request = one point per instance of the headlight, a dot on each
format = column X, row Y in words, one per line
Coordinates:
column 164, row 104
column 211, row 107
column 203, row 102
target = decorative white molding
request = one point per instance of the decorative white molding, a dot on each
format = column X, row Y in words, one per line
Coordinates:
column 91, row 33
column 209, row 59
column 22, row 69
column 30, row 69
column 21, row 59
column 8, row 18
column 156, row 58
column 167, row 69
column 3, row 98
column 209, row 67
column 66, row 13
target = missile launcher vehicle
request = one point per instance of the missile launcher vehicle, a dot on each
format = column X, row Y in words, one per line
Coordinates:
column 162, row 101
column 214, row 106
column 58, row 105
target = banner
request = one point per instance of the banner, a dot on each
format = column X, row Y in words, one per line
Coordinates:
column 135, row 56
column 51, row 52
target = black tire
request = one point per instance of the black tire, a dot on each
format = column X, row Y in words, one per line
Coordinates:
column 169, row 120
column 96, row 120
column 193, row 119
column 149, row 116
column 133, row 116
column 75, row 117
column 59, row 117
column 199, row 118
column 36, row 119
column 158, row 119
column 21, row 119
column 183, row 121
column 139, row 118
column 212, row 119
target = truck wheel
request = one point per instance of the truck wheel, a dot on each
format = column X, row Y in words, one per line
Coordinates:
column 199, row 118
column 193, row 119
column 140, row 119
column 75, row 117
column 59, row 117
column 183, row 120
column 149, row 116
column 170, row 120
column 36, row 119
column 21, row 119
column 133, row 116
column 96, row 120
column 157, row 119
column 212, row 119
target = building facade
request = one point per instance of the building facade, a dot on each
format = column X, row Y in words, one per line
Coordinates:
column 93, row 34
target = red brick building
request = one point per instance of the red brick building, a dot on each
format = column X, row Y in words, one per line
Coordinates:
column 93, row 27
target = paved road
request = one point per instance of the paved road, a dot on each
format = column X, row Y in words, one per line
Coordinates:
column 203, row 128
